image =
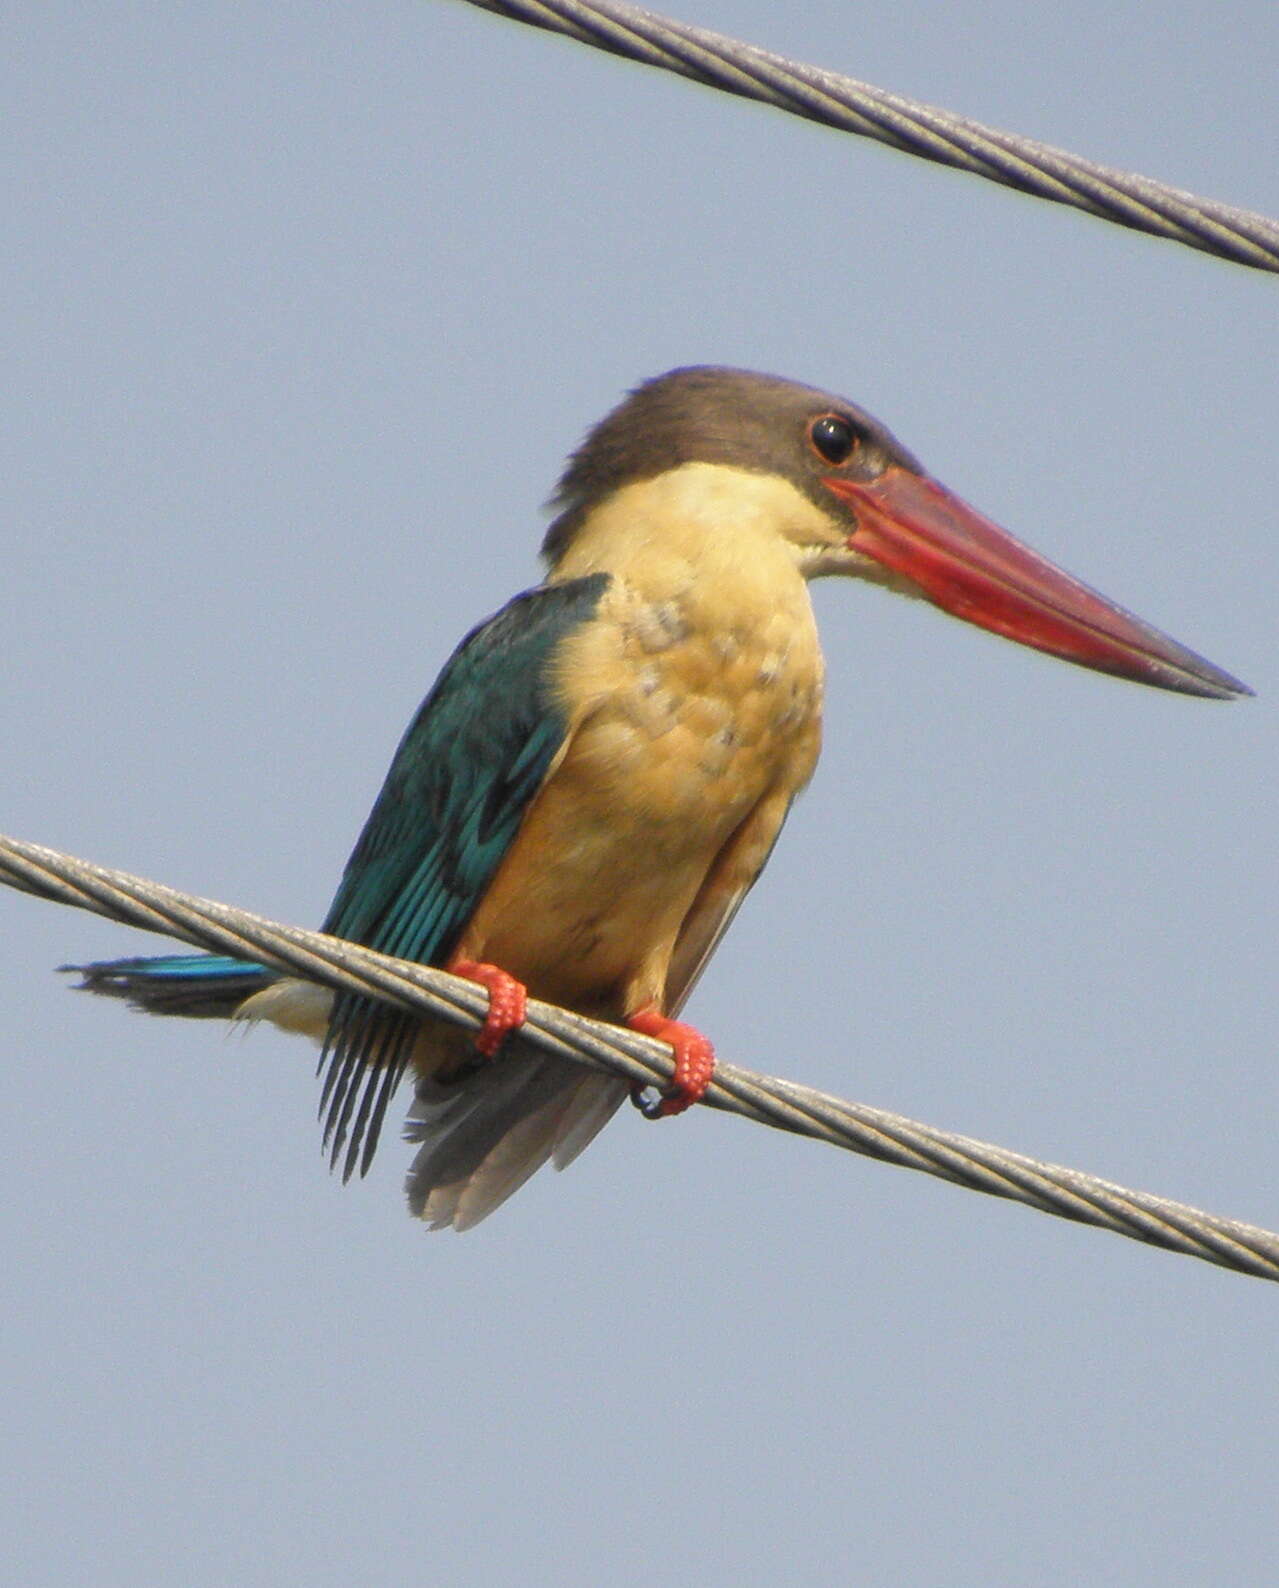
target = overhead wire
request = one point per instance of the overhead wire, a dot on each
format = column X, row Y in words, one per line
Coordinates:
column 718, row 61
column 434, row 994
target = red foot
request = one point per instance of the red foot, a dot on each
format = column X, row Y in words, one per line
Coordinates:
column 507, row 1001
column 694, row 1064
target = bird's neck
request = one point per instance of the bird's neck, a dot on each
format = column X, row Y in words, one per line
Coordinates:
column 712, row 539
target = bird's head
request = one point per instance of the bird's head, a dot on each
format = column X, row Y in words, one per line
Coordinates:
column 849, row 499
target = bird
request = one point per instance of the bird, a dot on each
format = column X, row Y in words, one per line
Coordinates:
column 600, row 772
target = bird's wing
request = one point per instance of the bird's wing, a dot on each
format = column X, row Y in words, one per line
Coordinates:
column 720, row 897
column 465, row 773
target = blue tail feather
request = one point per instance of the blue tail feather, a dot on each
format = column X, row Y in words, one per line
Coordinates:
column 201, row 986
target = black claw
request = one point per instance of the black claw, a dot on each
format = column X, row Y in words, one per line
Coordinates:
column 648, row 1098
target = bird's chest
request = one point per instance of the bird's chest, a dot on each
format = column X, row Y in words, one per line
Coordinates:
column 691, row 718
column 681, row 730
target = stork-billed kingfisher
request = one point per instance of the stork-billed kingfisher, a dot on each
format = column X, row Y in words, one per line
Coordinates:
column 601, row 770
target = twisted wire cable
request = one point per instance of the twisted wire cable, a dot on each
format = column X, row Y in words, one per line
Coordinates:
column 423, row 990
column 718, row 61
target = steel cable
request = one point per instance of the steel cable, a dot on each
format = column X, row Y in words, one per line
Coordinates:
column 1068, row 1193
column 1123, row 197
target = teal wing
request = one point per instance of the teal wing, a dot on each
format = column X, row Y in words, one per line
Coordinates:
column 466, row 771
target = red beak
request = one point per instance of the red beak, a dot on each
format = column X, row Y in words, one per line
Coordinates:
column 975, row 570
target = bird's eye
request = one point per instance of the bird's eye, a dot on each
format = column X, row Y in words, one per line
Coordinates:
column 833, row 437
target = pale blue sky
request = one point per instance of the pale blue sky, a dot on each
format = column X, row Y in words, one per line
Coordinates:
column 304, row 306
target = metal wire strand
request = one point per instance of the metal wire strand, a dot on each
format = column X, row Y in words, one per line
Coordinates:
column 924, row 130
column 422, row 990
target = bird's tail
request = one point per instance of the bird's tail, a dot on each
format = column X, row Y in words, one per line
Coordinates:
column 479, row 1136
column 485, row 1133
column 201, row 986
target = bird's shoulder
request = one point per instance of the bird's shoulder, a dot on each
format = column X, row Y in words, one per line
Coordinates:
column 497, row 686
column 474, row 754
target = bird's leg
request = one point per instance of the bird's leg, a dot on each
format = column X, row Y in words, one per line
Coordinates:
column 507, row 1001
column 694, row 1064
